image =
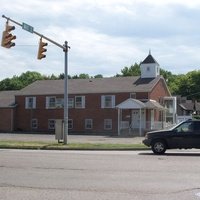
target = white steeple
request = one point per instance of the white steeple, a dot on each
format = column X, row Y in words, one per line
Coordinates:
column 149, row 67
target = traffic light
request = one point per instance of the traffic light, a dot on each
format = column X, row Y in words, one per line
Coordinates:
column 41, row 49
column 7, row 37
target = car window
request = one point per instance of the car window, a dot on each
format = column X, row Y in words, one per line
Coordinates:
column 185, row 127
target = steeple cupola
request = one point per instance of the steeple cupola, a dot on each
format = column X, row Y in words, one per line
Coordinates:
column 149, row 67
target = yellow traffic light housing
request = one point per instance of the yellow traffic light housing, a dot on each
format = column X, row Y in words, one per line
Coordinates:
column 7, row 37
column 41, row 49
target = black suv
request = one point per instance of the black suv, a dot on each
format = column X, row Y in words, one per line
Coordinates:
column 184, row 135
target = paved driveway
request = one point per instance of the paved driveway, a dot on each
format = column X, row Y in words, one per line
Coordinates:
column 72, row 138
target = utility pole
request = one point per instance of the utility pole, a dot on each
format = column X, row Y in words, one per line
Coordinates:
column 7, row 43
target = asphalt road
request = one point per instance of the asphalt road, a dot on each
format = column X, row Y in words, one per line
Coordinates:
column 99, row 175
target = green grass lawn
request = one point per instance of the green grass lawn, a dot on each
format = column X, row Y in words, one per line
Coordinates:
column 71, row 146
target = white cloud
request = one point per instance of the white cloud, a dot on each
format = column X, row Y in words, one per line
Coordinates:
column 104, row 35
column 93, row 52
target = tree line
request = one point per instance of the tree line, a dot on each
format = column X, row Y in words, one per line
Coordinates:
column 182, row 84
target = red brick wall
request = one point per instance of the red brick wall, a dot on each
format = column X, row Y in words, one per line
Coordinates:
column 160, row 90
column 24, row 116
column 6, row 119
column 92, row 111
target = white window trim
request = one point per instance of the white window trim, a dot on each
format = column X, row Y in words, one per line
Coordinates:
column 70, row 102
column 88, row 122
column 59, row 102
column 103, row 97
column 49, row 127
column 133, row 95
column 82, row 102
column 71, row 120
column 106, row 123
column 48, row 102
column 27, row 103
column 36, row 123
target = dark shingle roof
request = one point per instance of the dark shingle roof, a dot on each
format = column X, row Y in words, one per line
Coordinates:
column 149, row 59
column 7, row 98
column 190, row 106
column 86, row 86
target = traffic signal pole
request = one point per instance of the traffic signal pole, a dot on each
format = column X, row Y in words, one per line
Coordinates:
column 46, row 38
column 65, row 48
column 66, row 96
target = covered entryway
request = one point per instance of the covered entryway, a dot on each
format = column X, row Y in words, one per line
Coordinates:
column 153, row 122
column 136, row 117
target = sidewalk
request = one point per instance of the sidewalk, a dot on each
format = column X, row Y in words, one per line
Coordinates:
column 72, row 138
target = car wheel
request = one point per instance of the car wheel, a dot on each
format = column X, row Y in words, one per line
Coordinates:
column 158, row 147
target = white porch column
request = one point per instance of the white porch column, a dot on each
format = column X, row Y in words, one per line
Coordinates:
column 152, row 119
column 164, row 118
column 140, row 131
column 119, row 121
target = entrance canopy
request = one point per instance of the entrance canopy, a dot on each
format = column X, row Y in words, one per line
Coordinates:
column 131, row 104
column 136, row 104
column 152, row 104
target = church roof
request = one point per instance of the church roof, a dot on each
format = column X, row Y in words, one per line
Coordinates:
column 96, row 85
column 149, row 59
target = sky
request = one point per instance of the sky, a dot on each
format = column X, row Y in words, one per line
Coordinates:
column 104, row 35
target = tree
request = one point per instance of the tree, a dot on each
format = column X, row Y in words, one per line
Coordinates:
column 53, row 77
column 17, row 83
column 11, row 84
column 98, row 76
column 166, row 74
column 30, row 77
column 170, row 80
column 188, row 85
column 81, row 76
column 84, row 76
column 61, row 76
column 133, row 70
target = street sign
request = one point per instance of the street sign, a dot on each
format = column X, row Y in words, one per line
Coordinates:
column 27, row 27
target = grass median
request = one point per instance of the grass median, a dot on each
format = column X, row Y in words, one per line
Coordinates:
column 12, row 144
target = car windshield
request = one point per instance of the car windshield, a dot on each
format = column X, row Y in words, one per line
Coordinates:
column 173, row 126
